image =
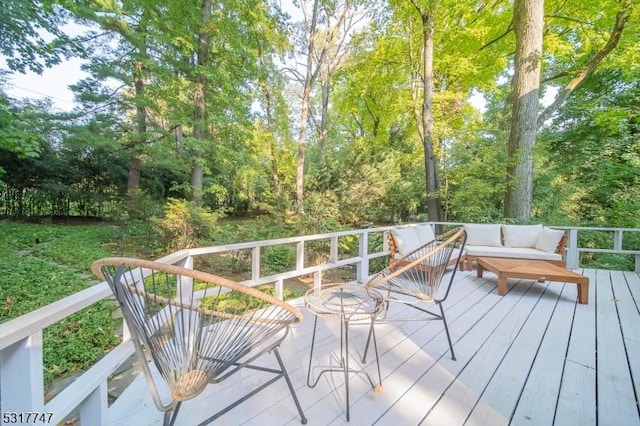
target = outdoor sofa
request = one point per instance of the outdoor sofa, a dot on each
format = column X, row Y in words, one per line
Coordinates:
column 535, row 242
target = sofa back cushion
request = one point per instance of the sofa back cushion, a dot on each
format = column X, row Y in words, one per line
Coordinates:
column 521, row 236
column 424, row 233
column 483, row 235
column 406, row 240
column 412, row 237
column 549, row 239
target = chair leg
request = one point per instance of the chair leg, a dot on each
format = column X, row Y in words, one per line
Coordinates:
column 170, row 416
column 366, row 347
column 303, row 419
column 446, row 330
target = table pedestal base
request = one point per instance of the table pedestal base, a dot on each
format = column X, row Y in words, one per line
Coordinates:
column 344, row 360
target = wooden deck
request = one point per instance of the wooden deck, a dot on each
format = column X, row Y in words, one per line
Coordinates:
column 532, row 357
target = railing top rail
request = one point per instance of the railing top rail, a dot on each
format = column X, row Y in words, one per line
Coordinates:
column 279, row 241
column 24, row 326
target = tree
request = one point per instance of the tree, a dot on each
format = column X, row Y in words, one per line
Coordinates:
column 32, row 34
column 311, row 73
column 424, row 118
column 596, row 159
column 579, row 75
column 528, row 24
column 126, row 27
column 16, row 130
column 572, row 69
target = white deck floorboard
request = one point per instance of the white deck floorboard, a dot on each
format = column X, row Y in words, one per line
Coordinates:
column 532, row 357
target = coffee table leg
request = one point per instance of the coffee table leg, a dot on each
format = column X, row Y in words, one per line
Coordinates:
column 502, row 285
column 583, row 293
column 479, row 270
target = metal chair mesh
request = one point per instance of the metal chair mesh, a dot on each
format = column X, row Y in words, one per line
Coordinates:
column 195, row 326
column 419, row 273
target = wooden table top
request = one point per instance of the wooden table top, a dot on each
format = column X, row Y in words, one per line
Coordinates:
column 526, row 267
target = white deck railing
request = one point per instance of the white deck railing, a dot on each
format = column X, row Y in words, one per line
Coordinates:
column 21, row 365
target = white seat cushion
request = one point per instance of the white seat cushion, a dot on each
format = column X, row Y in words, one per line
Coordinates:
column 515, row 253
column 483, row 235
column 521, row 236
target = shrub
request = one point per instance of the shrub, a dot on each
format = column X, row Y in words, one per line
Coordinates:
column 186, row 225
column 279, row 259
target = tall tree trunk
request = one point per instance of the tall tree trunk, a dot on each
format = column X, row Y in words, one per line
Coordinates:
column 133, row 182
column 200, row 104
column 425, row 123
column 273, row 152
column 434, row 204
column 304, row 110
column 326, row 87
column 266, row 93
column 528, row 26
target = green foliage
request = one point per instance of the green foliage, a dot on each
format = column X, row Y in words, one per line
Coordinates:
column 16, row 135
column 139, row 206
column 79, row 341
column 476, row 175
column 597, row 158
column 185, row 225
column 371, row 168
column 32, row 38
column 616, row 262
column 288, row 293
column 278, row 259
column 42, row 264
column 235, row 302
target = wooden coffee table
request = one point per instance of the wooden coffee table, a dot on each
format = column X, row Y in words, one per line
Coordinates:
column 532, row 269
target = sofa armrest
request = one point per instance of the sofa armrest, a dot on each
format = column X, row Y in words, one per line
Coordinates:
column 393, row 247
column 562, row 245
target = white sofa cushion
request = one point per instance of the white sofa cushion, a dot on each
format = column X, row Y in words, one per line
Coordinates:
column 483, row 235
column 406, row 240
column 515, row 253
column 549, row 239
column 424, row 233
column 521, row 236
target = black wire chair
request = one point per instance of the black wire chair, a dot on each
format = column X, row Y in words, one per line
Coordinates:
column 416, row 279
column 197, row 328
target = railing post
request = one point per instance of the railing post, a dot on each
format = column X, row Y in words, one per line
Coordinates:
column 333, row 254
column 21, row 378
column 185, row 284
column 572, row 250
column 638, row 263
column 255, row 263
column 94, row 409
column 385, row 241
column 279, row 289
column 617, row 239
column 300, row 256
column 362, row 272
column 187, row 262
